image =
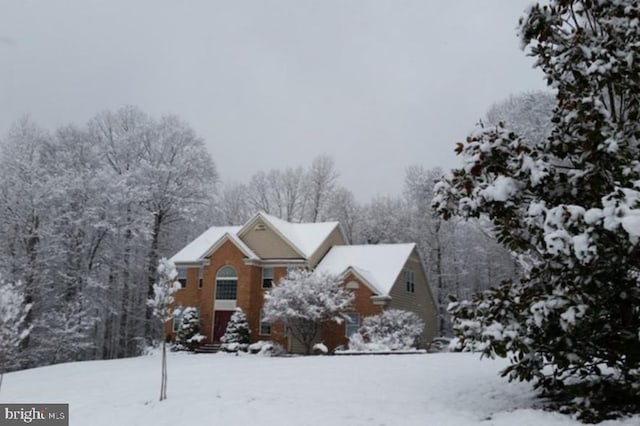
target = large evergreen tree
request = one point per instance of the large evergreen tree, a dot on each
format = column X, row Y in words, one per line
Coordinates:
column 569, row 208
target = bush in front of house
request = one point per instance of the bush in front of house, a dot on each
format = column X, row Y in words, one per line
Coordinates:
column 236, row 337
column 266, row 348
column 306, row 301
column 392, row 330
column 188, row 335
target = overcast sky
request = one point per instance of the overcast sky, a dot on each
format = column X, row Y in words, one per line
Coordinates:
column 377, row 85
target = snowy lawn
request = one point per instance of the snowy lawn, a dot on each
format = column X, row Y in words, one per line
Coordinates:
column 223, row 389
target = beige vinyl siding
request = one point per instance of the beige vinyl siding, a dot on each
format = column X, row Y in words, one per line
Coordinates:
column 335, row 238
column 421, row 302
column 296, row 347
column 267, row 244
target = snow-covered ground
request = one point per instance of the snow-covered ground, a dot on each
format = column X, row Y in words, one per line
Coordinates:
column 222, row 389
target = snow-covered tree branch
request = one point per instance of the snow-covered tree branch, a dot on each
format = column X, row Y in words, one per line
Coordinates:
column 568, row 206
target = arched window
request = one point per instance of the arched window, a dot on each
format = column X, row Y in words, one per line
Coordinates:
column 226, row 283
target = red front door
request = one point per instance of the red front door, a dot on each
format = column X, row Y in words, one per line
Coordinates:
column 220, row 321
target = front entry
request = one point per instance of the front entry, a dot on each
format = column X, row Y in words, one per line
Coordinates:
column 220, row 321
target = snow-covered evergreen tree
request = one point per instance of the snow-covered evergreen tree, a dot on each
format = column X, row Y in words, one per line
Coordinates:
column 236, row 336
column 569, row 207
column 305, row 300
column 393, row 329
column 188, row 334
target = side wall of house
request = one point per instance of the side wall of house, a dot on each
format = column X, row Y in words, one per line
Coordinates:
column 421, row 301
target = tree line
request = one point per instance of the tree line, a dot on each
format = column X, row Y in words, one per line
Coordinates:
column 85, row 213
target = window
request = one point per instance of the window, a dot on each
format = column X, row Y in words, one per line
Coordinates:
column 265, row 326
column 409, row 278
column 226, row 283
column 267, row 277
column 200, row 272
column 182, row 277
column 352, row 324
column 177, row 318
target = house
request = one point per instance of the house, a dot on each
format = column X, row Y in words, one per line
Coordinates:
column 234, row 266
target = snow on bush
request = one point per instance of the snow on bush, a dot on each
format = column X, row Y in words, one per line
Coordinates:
column 236, row 337
column 392, row 330
column 188, row 334
column 320, row 348
column 306, row 300
column 266, row 348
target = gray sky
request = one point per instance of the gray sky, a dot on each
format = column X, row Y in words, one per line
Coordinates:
column 377, row 85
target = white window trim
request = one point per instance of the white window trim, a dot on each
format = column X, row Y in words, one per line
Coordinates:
column 220, row 278
column 182, row 276
column 261, row 321
column 348, row 323
column 177, row 318
column 263, row 277
column 410, row 281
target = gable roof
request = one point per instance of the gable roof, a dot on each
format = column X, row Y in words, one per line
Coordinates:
column 237, row 242
column 208, row 241
column 378, row 264
column 304, row 238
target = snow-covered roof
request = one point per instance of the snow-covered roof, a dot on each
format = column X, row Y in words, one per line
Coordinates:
column 199, row 248
column 306, row 238
column 378, row 264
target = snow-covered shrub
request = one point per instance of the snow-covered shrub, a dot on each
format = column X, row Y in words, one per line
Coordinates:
column 358, row 343
column 236, row 337
column 320, row 348
column 393, row 329
column 196, row 339
column 188, row 334
column 440, row 344
column 266, row 348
